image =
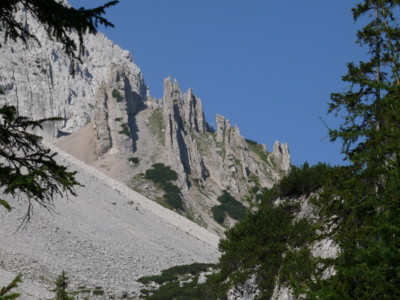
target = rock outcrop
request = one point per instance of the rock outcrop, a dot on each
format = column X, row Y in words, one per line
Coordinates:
column 129, row 130
column 116, row 105
column 39, row 81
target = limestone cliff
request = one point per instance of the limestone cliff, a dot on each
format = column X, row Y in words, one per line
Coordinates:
column 39, row 81
column 110, row 120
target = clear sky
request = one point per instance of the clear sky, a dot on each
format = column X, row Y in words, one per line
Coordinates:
column 268, row 66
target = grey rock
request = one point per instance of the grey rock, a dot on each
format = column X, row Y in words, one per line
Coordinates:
column 38, row 79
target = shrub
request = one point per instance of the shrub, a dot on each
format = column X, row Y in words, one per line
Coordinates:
column 172, row 289
column 116, row 94
column 134, row 160
column 125, row 130
column 251, row 142
column 170, row 188
column 161, row 173
column 303, row 180
column 218, row 214
column 229, row 205
column 61, row 286
column 174, row 200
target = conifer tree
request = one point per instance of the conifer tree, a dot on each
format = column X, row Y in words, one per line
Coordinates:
column 61, row 287
column 365, row 205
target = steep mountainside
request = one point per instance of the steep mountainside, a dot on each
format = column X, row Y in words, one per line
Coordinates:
column 111, row 121
column 104, row 239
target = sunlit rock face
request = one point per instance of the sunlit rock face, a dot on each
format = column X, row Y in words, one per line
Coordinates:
column 42, row 82
column 106, row 97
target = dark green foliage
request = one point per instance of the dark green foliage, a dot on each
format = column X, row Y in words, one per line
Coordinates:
column 229, row 205
column 98, row 292
column 251, row 142
column 116, row 94
column 174, row 200
column 134, row 160
column 303, row 180
column 297, row 270
column 170, row 188
column 61, row 287
column 58, row 20
column 162, row 175
column 118, row 119
column 257, row 149
column 28, row 167
column 270, row 242
column 218, row 214
column 6, row 293
column 364, row 203
column 257, row 244
column 173, row 273
column 125, row 130
column 169, row 281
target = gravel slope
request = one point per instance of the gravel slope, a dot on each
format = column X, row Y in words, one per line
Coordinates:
column 106, row 237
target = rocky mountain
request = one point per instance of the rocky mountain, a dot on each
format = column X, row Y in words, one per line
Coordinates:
column 104, row 239
column 110, row 121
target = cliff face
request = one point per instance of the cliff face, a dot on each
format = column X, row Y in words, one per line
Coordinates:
column 38, row 80
column 106, row 109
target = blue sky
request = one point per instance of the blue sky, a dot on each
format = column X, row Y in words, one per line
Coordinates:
column 268, row 66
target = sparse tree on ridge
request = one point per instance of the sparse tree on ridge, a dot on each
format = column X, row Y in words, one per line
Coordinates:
column 26, row 166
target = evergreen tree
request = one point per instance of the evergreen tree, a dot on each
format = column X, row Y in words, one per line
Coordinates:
column 61, row 287
column 6, row 292
column 365, row 204
column 27, row 167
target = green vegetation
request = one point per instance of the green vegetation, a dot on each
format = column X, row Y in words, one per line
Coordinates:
column 218, row 214
column 358, row 205
column 257, row 149
column 134, row 160
column 7, row 293
column 162, row 175
column 302, row 180
column 61, row 287
column 229, row 205
column 118, row 119
column 268, row 242
column 251, row 142
column 170, row 283
column 125, row 130
column 364, row 202
column 156, row 125
column 32, row 170
column 117, row 95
